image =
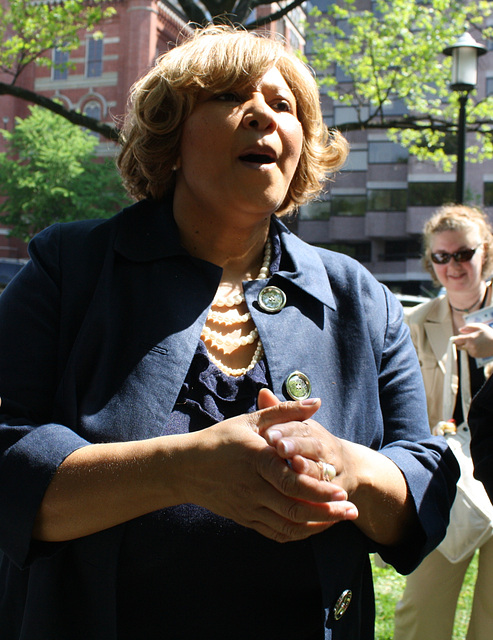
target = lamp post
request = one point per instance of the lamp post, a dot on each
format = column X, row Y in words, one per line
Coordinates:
column 465, row 53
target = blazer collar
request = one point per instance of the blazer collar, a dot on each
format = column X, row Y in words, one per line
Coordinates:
column 147, row 231
column 308, row 273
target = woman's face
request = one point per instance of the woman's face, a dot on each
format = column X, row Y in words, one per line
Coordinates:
column 239, row 150
column 459, row 276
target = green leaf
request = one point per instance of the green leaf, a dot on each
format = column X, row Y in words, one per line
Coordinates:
column 395, row 54
column 50, row 174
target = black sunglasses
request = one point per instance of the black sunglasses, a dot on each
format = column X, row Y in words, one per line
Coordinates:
column 464, row 255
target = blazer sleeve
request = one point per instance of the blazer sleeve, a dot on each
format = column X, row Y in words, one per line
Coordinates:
column 32, row 445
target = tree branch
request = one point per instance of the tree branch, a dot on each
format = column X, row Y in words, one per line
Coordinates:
column 277, row 15
column 75, row 117
column 242, row 9
column 193, row 12
column 224, row 9
column 416, row 123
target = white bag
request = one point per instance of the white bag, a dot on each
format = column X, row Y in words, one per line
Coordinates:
column 471, row 517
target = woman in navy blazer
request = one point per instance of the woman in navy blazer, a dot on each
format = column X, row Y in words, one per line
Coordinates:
column 159, row 372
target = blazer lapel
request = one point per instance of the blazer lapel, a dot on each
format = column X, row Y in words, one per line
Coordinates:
column 438, row 327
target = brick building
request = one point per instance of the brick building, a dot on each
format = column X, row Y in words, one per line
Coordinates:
column 96, row 82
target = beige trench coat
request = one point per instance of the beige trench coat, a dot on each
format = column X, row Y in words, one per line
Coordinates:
column 431, row 329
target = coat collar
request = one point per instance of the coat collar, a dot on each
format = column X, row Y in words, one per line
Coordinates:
column 147, row 231
column 308, row 270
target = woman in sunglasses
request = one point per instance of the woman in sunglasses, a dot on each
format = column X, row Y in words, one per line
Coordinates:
column 458, row 253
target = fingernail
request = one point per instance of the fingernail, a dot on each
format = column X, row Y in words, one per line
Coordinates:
column 352, row 512
column 286, row 447
column 340, row 495
column 273, row 435
column 309, row 402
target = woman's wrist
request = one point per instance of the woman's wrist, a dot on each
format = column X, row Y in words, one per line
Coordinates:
column 176, row 463
column 379, row 490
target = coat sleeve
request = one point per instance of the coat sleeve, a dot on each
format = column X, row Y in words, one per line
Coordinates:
column 32, row 445
column 428, row 465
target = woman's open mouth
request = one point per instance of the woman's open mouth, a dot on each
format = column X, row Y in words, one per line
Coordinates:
column 257, row 158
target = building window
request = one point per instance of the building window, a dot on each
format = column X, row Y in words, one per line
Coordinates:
column 93, row 110
column 348, row 205
column 396, row 107
column 315, row 211
column 387, row 199
column 342, row 75
column 94, row 63
column 398, row 250
column 488, row 194
column 386, row 153
column 343, row 115
column 360, row 251
column 357, row 161
column 60, row 60
column 489, row 84
column 376, row 8
column 430, row 194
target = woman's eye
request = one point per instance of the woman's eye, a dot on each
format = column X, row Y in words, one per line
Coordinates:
column 229, row 96
column 283, row 105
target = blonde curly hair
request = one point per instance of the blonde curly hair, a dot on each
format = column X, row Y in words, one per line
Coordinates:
column 458, row 217
column 219, row 58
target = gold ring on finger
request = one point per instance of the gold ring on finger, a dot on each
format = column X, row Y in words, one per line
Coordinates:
column 328, row 471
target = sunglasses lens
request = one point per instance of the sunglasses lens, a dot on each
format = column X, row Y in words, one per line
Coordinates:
column 459, row 256
column 440, row 258
column 465, row 255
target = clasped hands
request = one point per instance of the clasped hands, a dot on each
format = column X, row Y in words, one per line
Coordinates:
column 269, row 477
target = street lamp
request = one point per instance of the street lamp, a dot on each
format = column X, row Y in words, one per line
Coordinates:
column 465, row 53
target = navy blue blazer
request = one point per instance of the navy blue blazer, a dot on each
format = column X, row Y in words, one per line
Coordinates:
column 97, row 333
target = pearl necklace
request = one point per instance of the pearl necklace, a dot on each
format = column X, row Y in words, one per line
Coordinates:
column 228, row 317
column 219, row 341
column 232, row 316
column 259, row 352
column 237, row 298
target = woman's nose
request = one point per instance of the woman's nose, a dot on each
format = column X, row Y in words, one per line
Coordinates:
column 258, row 115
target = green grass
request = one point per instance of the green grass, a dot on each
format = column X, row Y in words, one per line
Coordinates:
column 389, row 586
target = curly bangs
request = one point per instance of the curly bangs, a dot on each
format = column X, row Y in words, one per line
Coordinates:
column 217, row 59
